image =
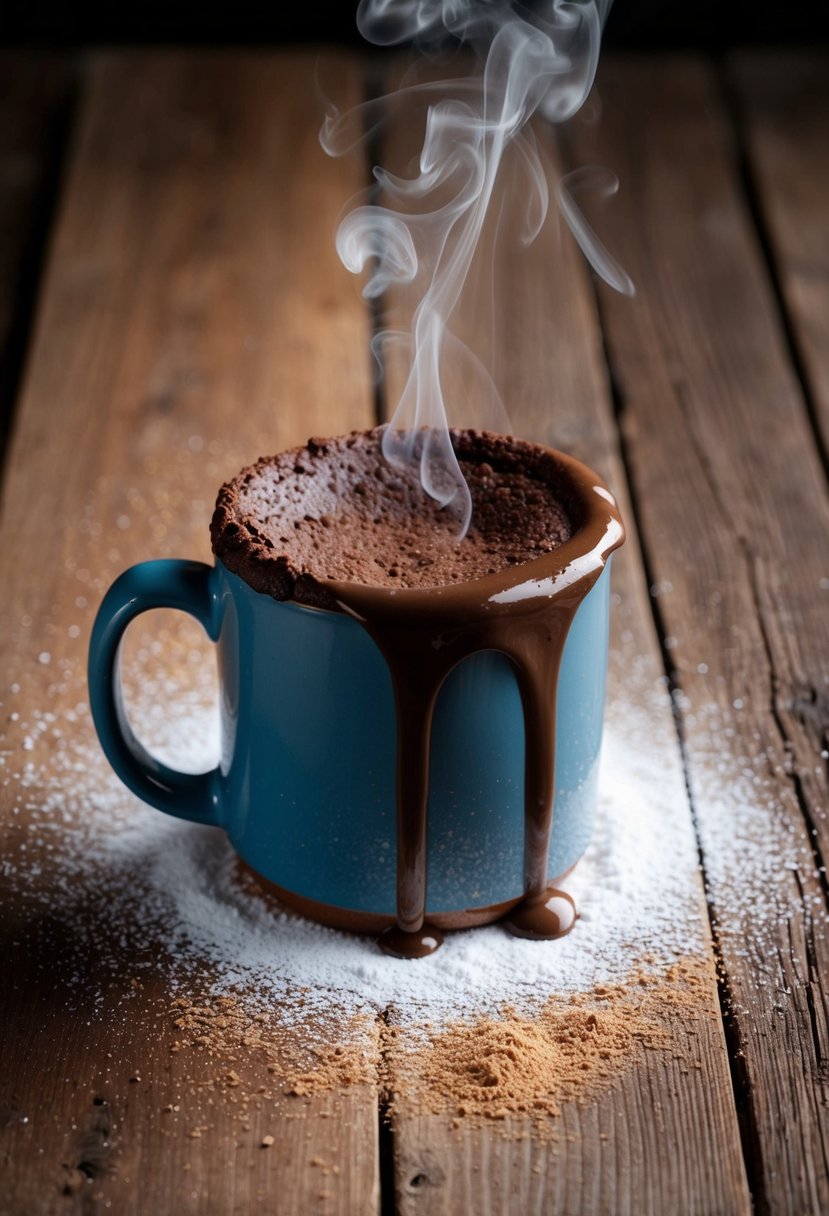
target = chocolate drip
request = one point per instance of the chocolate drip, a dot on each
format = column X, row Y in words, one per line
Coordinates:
column 418, row 943
column 525, row 613
column 415, row 693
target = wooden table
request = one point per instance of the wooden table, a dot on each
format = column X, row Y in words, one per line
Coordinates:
column 171, row 305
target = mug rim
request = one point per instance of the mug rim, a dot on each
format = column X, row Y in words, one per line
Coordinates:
column 598, row 533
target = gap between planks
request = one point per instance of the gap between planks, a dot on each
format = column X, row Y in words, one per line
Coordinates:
column 739, row 1083
column 706, row 355
column 175, row 242
column 550, row 352
column 779, row 104
column 37, row 109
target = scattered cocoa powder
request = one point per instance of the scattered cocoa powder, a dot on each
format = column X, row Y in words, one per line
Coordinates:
column 219, row 1025
column 335, row 1069
column 530, row 1066
column 491, row 1069
column 515, row 1070
column 225, row 1029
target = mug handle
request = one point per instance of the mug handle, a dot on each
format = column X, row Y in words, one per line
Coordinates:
column 191, row 587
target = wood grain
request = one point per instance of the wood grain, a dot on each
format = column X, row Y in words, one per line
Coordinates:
column 732, row 501
column 664, row 1136
column 35, row 96
column 194, row 314
column 783, row 103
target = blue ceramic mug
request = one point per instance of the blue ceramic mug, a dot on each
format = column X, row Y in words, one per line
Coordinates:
column 305, row 788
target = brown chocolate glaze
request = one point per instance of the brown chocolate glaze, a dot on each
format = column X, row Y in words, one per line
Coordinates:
column 523, row 610
column 410, row 943
column 550, row 914
column 352, row 920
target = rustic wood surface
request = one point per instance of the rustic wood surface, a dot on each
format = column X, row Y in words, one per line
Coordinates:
column 159, row 321
column 35, row 100
column 783, row 106
column 732, row 503
column 548, row 357
column 192, row 298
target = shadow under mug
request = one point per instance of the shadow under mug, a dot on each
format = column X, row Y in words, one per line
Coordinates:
column 305, row 787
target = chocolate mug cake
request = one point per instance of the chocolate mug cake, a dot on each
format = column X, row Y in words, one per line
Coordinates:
column 332, row 526
column 411, row 721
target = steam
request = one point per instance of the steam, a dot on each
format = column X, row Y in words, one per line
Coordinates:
column 595, row 180
column 429, row 226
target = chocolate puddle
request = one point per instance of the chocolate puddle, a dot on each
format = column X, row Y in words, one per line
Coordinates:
column 524, row 612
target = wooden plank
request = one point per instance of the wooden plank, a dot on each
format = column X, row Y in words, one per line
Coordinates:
column 609, row 1154
column 194, row 314
column 783, row 102
column 733, row 505
column 35, row 97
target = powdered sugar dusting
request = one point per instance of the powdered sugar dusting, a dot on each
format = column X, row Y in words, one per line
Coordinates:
column 175, row 891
